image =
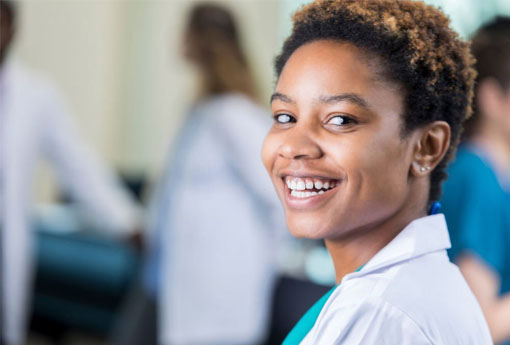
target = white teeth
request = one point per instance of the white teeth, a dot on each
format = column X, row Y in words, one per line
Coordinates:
column 300, row 194
column 297, row 194
column 301, row 184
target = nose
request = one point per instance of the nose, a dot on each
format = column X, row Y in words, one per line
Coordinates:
column 299, row 145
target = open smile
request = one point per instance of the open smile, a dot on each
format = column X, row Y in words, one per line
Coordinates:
column 306, row 192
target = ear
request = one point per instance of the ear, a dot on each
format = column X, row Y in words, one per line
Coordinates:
column 431, row 147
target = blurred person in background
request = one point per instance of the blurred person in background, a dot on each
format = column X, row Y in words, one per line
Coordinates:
column 476, row 200
column 217, row 219
column 34, row 123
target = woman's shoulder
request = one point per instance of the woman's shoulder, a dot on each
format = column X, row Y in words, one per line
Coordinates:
column 472, row 171
column 471, row 167
column 422, row 303
column 469, row 157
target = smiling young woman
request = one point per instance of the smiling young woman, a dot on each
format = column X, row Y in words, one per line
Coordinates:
column 368, row 107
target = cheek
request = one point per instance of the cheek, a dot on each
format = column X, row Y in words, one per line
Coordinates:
column 269, row 151
column 378, row 170
column 389, row 172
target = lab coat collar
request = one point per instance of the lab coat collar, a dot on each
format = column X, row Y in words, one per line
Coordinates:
column 422, row 236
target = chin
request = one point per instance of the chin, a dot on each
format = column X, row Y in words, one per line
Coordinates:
column 307, row 228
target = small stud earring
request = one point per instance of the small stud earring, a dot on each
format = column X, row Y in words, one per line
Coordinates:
column 423, row 169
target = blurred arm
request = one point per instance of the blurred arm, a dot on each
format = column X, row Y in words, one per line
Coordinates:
column 485, row 284
column 81, row 173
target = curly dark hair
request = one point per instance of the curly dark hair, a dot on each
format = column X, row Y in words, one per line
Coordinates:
column 419, row 52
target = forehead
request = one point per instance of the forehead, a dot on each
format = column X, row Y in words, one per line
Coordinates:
column 333, row 64
column 323, row 69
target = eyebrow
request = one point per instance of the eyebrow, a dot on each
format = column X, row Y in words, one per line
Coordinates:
column 281, row 97
column 349, row 97
column 332, row 99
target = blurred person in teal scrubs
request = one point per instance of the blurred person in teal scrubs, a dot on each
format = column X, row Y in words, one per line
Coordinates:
column 476, row 199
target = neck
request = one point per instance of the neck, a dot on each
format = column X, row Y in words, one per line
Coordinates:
column 354, row 250
column 496, row 146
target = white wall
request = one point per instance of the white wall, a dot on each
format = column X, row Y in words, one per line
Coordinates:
column 77, row 43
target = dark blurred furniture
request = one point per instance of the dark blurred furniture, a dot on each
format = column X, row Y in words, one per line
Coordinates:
column 81, row 279
column 292, row 298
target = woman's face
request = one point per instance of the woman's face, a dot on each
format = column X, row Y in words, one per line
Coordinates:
column 335, row 152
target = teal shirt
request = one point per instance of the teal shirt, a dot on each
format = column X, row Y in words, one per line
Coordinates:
column 306, row 323
column 477, row 211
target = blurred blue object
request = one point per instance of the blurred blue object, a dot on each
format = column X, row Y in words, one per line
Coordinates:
column 81, row 279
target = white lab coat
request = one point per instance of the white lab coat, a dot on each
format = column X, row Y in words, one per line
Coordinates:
column 221, row 224
column 34, row 123
column 408, row 294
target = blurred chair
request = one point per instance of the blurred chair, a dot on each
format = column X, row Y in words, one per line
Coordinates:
column 81, row 280
column 82, row 276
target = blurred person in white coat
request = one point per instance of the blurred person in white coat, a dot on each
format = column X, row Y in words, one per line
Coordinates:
column 34, row 124
column 217, row 221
